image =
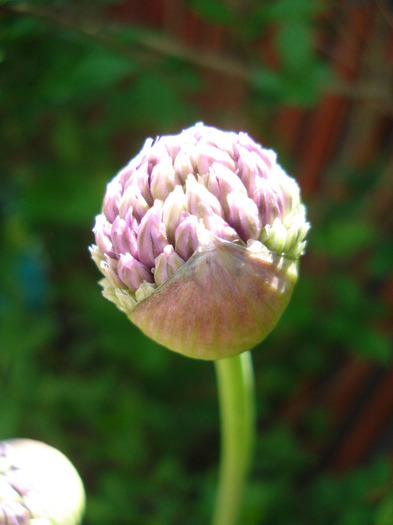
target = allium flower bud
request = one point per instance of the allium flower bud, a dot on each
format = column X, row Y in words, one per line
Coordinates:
column 199, row 240
column 38, row 485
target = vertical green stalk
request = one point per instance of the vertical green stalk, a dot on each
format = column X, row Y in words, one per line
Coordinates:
column 235, row 383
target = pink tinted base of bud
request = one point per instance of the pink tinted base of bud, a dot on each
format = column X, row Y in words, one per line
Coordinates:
column 224, row 300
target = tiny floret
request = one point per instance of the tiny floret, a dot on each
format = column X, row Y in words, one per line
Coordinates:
column 199, row 239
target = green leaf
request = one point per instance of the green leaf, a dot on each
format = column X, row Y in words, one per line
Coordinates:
column 67, row 139
column 94, row 71
column 295, row 45
column 293, row 10
column 269, row 83
column 301, row 88
column 346, row 291
column 53, row 199
column 100, row 69
column 372, row 343
column 384, row 513
column 214, row 11
column 156, row 100
column 344, row 238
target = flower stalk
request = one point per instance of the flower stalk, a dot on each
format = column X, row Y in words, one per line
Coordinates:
column 198, row 241
column 235, row 381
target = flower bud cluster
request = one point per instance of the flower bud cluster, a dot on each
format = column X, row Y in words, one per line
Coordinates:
column 38, row 485
column 15, row 504
column 184, row 193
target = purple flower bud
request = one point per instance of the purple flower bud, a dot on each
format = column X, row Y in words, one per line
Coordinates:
column 102, row 231
column 132, row 272
column 152, row 237
column 172, row 146
column 221, row 181
column 111, row 203
column 243, row 215
column 172, row 210
column 220, row 229
column 109, row 268
column 140, row 178
column 163, row 178
column 38, row 484
column 200, row 202
column 209, row 155
column 251, row 169
column 124, row 237
column 225, row 142
column 186, row 236
column 218, row 223
column 183, row 163
column 167, row 263
column 269, row 200
column 132, row 198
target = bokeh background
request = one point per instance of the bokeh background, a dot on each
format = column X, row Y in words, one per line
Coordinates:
column 82, row 84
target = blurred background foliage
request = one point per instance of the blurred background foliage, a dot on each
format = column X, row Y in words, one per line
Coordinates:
column 82, row 84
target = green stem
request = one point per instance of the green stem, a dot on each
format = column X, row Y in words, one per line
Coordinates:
column 236, row 399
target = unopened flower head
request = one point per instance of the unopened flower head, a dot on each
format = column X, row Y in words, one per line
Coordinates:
column 38, row 485
column 199, row 239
